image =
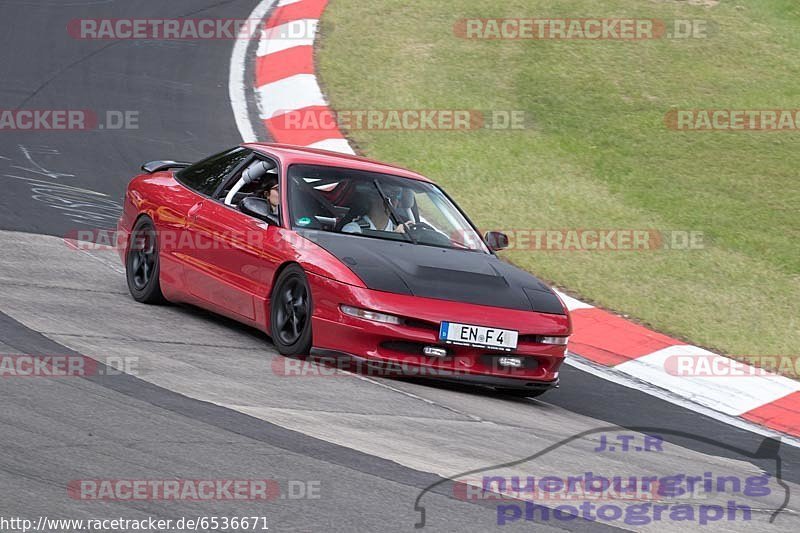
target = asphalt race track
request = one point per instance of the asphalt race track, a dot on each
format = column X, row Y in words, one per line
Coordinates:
column 207, row 398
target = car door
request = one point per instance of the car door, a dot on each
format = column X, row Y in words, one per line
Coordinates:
column 199, row 182
column 234, row 258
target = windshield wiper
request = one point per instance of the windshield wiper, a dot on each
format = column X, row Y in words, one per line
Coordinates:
column 392, row 212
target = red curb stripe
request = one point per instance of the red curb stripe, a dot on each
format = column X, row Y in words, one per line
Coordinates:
column 279, row 65
column 289, row 62
column 306, row 9
column 780, row 415
column 608, row 339
column 287, row 127
column 286, row 130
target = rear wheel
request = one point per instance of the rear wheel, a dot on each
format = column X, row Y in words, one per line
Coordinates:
column 142, row 263
column 290, row 312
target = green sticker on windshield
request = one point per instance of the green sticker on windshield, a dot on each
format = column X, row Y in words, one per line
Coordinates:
column 305, row 221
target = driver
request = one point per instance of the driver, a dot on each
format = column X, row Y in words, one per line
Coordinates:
column 272, row 193
column 370, row 212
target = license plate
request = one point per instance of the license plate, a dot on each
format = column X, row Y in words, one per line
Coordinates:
column 478, row 336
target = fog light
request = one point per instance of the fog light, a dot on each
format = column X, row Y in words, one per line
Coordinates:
column 370, row 315
column 561, row 341
column 434, row 351
column 513, row 362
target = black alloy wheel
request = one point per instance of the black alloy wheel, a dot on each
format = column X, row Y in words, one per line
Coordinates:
column 142, row 263
column 290, row 312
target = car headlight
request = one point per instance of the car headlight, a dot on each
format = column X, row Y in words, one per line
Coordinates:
column 370, row 315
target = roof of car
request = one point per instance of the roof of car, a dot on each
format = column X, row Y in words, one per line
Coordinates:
column 290, row 154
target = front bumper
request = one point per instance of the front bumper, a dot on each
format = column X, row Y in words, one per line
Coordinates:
column 387, row 368
column 397, row 350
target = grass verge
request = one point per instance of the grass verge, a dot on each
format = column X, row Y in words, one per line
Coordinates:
column 596, row 153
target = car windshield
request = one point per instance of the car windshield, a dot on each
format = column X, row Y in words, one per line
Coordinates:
column 376, row 205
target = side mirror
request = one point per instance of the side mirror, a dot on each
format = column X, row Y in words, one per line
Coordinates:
column 496, row 240
column 258, row 208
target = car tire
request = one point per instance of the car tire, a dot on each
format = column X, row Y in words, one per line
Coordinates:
column 142, row 264
column 290, row 312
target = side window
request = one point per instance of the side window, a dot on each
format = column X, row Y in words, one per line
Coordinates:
column 259, row 187
column 206, row 175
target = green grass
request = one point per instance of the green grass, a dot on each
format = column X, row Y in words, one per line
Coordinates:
column 597, row 154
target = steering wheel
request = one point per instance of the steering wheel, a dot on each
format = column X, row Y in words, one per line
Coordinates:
column 422, row 231
column 418, row 226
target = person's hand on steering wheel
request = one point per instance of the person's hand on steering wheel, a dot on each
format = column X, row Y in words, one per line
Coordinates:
column 414, row 226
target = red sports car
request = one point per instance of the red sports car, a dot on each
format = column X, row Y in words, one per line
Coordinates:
column 345, row 257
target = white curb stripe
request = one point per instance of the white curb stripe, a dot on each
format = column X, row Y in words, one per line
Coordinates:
column 729, row 395
column 297, row 91
column 289, row 94
column 334, row 145
column 294, row 33
column 608, row 374
column 237, row 88
column 571, row 303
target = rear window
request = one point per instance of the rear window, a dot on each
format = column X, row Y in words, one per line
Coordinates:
column 206, row 175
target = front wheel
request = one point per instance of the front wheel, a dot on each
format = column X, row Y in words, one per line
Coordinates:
column 142, row 264
column 290, row 312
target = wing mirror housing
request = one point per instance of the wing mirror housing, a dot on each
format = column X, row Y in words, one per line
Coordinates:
column 496, row 240
column 258, row 208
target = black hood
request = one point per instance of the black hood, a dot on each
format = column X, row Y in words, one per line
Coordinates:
column 442, row 273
